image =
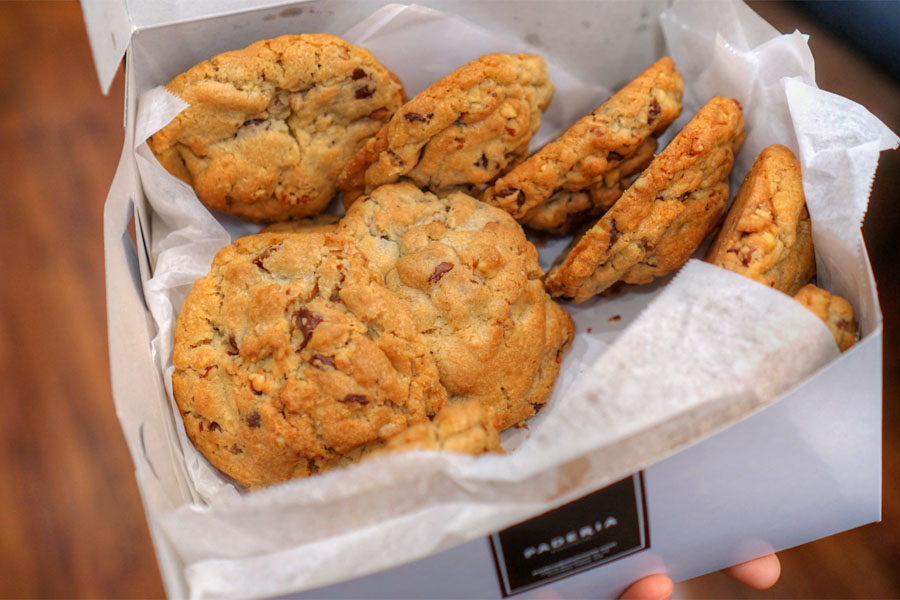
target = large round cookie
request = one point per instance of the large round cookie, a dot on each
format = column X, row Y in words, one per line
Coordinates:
column 473, row 284
column 270, row 127
column 292, row 357
column 462, row 131
column 767, row 234
column 660, row 220
column 595, row 149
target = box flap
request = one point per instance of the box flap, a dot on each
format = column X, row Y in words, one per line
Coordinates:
column 111, row 23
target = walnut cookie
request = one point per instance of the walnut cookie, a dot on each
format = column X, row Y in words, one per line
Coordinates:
column 460, row 132
column 660, row 220
column 291, row 357
column 594, row 150
column 270, row 127
column 767, row 235
column 834, row 311
column 472, row 282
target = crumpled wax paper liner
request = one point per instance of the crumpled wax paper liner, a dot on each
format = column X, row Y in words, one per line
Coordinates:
column 663, row 366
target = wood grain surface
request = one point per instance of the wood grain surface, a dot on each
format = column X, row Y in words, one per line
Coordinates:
column 71, row 521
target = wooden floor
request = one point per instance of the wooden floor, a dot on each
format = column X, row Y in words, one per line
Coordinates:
column 71, row 522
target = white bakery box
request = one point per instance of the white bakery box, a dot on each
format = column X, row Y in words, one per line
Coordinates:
column 718, row 427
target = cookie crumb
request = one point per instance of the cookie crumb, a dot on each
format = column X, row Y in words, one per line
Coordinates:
column 614, row 319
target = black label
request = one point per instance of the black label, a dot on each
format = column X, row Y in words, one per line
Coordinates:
column 583, row 534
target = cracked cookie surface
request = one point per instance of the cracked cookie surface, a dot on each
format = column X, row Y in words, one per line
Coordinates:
column 465, row 427
column 767, row 235
column 462, row 131
column 660, row 220
column 834, row 311
column 270, row 127
column 291, row 357
column 595, row 150
column 473, row 284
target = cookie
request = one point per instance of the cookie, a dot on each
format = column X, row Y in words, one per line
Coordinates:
column 322, row 223
column 465, row 427
column 593, row 150
column 472, row 282
column 564, row 211
column 660, row 220
column 462, row 131
column 270, row 127
column 291, row 357
column 767, row 235
column 835, row 311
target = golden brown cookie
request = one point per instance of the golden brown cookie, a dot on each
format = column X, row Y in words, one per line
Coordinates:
column 472, row 282
column 835, row 311
column 660, row 220
column 270, row 127
column 462, row 131
column 766, row 235
column 291, row 357
column 594, row 150
column 564, row 210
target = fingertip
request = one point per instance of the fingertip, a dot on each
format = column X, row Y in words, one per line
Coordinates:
column 652, row 587
column 760, row 573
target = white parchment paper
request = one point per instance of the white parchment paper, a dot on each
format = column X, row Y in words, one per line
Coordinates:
column 651, row 369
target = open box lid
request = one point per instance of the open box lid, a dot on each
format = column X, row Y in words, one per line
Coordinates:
column 111, row 23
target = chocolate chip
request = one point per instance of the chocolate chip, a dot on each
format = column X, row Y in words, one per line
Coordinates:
column 612, row 155
column 258, row 261
column 357, row 398
column 358, row 74
column 482, row 162
column 253, row 420
column 439, row 272
column 335, row 293
column 235, row 450
column 320, row 361
column 506, row 192
column 363, row 92
column 684, row 197
column 252, row 122
column 749, row 256
column 306, row 322
column 214, row 426
column 233, row 349
column 655, row 109
column 613, row 232
column 414, row 117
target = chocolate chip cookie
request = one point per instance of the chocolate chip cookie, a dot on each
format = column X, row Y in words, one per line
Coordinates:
column 660, row 220
column 270, row 127
column 291, row 357
column 594, row 150
column 565, row 210
column 473, row 284
column 767, row 235
column 835, row 311
column 462, row 131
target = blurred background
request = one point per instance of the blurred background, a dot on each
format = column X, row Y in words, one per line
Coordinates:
column 71, row 521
